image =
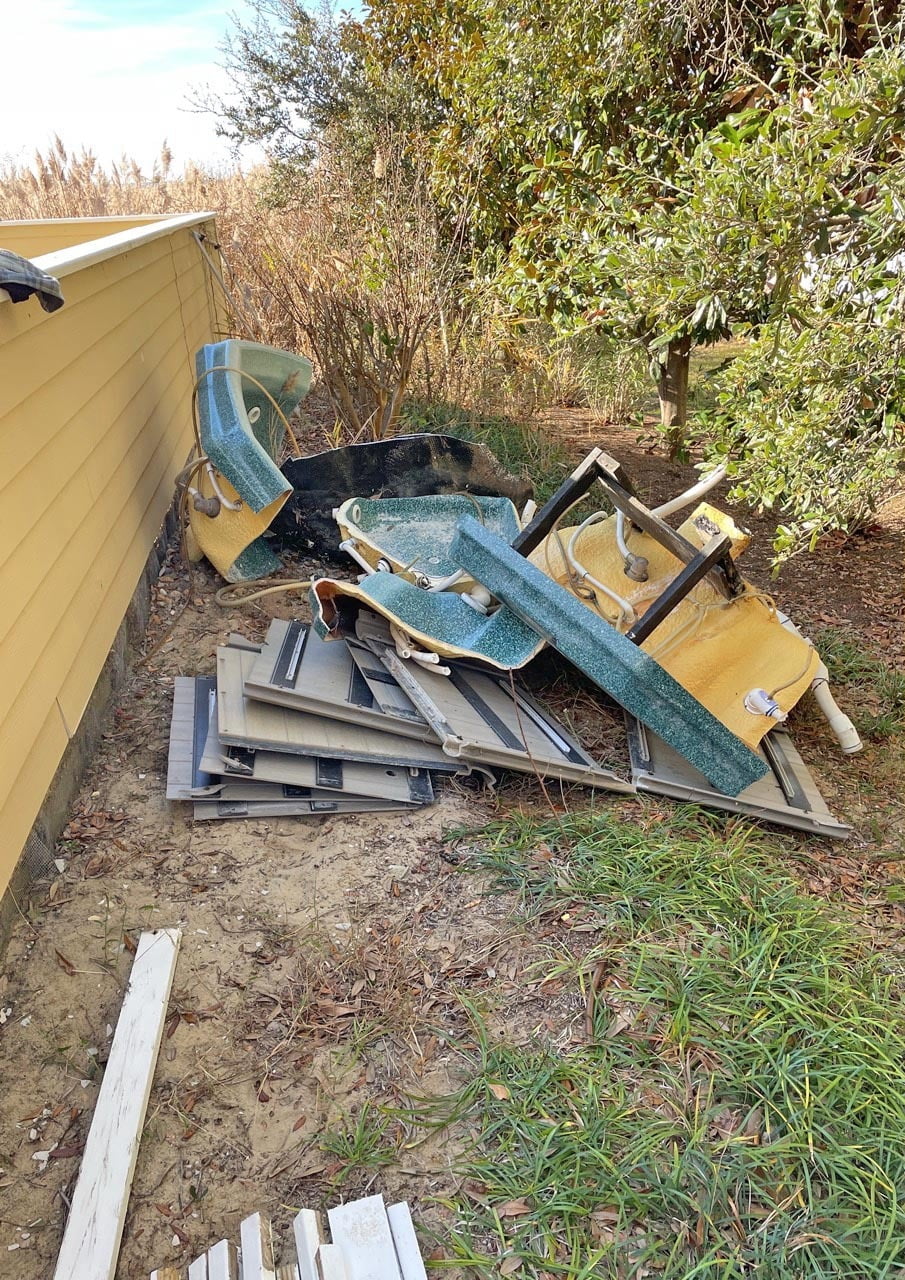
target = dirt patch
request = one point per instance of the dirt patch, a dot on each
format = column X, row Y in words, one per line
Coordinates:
column 328, row 965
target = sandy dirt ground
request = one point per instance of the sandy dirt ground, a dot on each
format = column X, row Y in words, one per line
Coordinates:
column 326, row 964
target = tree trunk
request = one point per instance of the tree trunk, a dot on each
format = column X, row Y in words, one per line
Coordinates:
column 672, row 389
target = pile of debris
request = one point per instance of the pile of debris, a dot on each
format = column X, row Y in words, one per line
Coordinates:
column 408, row 674
column 304, row 726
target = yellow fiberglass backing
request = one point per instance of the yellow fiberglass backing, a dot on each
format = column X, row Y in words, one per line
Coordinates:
column 224, row 538
column 717, row 649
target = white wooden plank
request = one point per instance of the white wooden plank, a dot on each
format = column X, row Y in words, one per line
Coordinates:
column 257, row 1249
column 331, row 1264
column 221, row 1262
column 362, row 1230
column 411, row 1264
column 91, row 1240
column 198, row 1268
column 308, row 1239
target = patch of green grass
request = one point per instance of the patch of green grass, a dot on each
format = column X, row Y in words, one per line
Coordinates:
column 361, row 1145
column 739, row 1105
column 521, row 448
column 876, row 690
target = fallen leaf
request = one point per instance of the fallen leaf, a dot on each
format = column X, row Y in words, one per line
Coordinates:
column 500, row 1091
column 514, row 1209
column 510, row 1266
column 298, row 1124
column 66, row 965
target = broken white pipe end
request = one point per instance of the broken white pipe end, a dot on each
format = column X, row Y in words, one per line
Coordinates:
column 841, row 726
column 845, row 732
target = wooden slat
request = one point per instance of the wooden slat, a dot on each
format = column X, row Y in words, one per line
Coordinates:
column 91, row 1240
column 362, row 1230
column 331, row 1264
column 221, row 1262
column 257, row 1249
column 411, row 1264
column 198, row 1268
column 308, row 1238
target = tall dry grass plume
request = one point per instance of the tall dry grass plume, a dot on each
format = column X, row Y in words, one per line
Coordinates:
column 354, row 271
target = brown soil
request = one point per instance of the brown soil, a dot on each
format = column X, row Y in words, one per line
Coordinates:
column 324, row 962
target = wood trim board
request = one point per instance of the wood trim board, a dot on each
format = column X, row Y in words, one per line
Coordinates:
column 90, row 1246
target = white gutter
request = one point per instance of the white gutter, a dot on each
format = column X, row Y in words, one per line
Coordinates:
column 64, row 262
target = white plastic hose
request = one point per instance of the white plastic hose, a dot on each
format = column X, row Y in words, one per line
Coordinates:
column 691, row 495
column 626, row 612
column 841, row 726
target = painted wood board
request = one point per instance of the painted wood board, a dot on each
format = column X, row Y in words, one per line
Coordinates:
column 411, row 1264
column 91, row 1240
column 362, row 1230
column 257, row 1248
column 198, row 1268
column 306, row 1230
column 221, row 1262
column 331, row 1264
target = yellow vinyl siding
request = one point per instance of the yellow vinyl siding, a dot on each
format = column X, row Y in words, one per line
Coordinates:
column 33, row 239
column 95, row 421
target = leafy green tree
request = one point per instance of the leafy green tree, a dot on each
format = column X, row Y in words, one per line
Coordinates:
column 562, row 129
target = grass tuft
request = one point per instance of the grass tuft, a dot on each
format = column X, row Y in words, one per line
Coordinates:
column 736, row 1105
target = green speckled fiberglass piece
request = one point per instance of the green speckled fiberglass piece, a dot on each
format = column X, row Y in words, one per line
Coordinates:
column 240, row 432
column 256, row 561
column 620, row 668
column 416, row 533
column 440, row 620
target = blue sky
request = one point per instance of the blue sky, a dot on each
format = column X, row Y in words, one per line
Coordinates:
column 114, row 75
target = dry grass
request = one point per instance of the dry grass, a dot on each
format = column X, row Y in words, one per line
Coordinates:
column 357, row 276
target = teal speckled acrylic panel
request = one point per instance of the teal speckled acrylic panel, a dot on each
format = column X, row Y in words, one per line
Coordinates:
column 417, row 532
column 624, row 671
column 502, row 639
column 240, row 432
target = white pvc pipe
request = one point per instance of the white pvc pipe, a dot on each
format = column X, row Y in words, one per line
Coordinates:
column 224, row 501
column 840, row 724
column 351, row 549
column 626, row 612
column 845, row 732
column 696, row 491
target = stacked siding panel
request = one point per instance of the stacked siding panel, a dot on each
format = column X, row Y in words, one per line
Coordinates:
column 95, row 422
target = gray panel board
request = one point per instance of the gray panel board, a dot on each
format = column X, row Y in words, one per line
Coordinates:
column 299, row 669
column 243, row 721
column 787, row 796
column 203, row 810
column 192, row 701
column 338, row 777
column 478, row 720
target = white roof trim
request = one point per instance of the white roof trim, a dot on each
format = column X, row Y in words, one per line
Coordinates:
column 64, row 262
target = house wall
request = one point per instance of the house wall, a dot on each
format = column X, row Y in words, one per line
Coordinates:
column 95, row 422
